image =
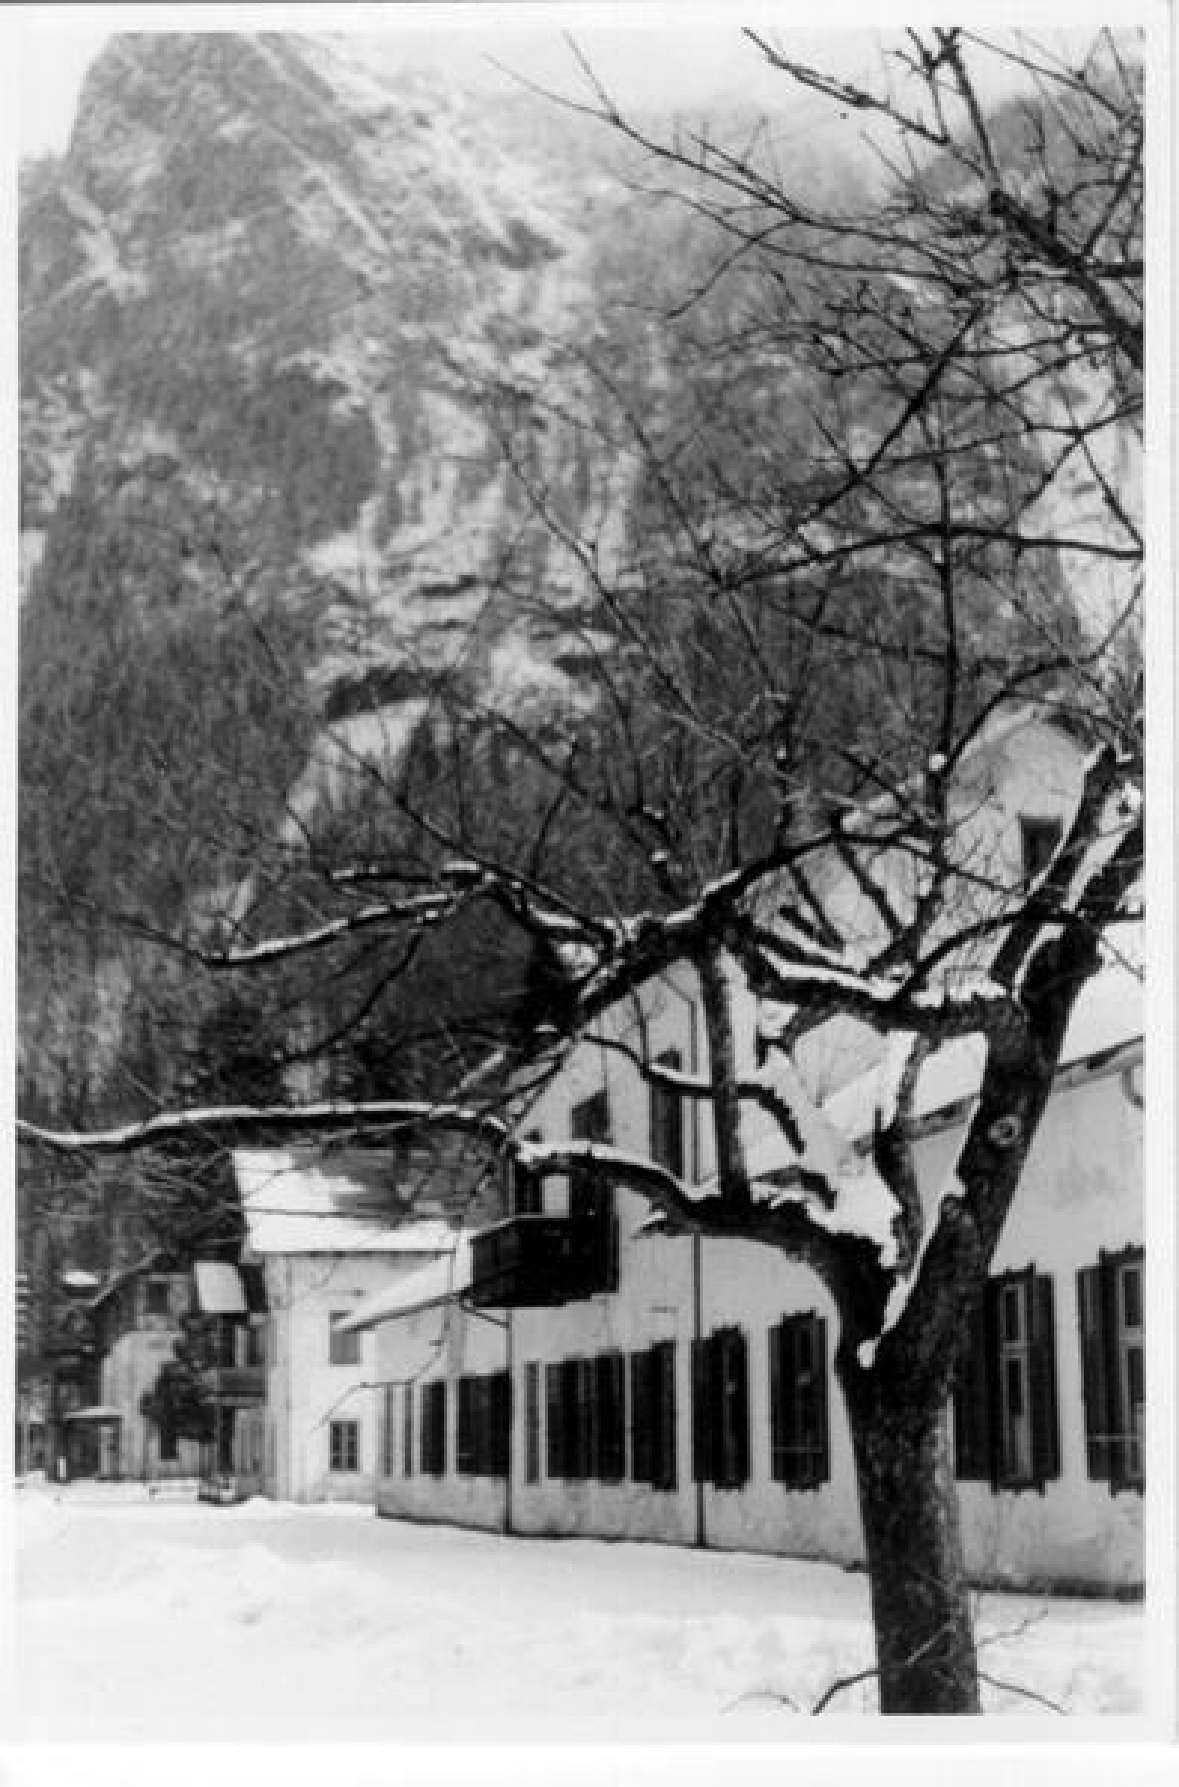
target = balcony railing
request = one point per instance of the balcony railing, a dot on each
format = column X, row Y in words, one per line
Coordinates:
column 534, row 1261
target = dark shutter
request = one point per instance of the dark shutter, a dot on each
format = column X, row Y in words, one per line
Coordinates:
column 1042, row 1372
column 407, row 1436
column 663, row 1385
column 532, row 1422
column 554, row 1423
column 736, row 1392
column 611, row 1407
column 702, row 1411
column 1094, row 1372
column 499, row 1403
column 465, row 1460
column 818, row 1464
column 641, row 1418
column 972, row 1401
column 780, row 1378
column 1111, row 1327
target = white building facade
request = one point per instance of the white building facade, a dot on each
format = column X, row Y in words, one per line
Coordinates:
column 682, row 1390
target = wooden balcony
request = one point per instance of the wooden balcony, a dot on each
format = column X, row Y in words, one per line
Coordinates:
column 529, row 1262
column 237, row 1385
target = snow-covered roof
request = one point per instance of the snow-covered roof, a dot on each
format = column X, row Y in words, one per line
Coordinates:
column 1108, row 1015
column 436, row 1284
column 294, row 1204
column 219, row 1288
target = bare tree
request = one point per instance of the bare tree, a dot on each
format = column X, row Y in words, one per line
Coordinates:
column 815, row 613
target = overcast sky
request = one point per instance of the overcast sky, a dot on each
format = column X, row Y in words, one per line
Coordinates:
column 683, row 54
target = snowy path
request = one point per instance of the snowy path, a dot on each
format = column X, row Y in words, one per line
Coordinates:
column 173, row 1622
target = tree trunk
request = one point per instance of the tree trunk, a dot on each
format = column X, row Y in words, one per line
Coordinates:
column 909, row 1507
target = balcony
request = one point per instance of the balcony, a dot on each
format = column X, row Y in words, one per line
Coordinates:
column 530, row 1262
column 237, row 1386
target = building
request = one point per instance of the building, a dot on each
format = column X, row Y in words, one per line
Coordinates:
column 567, row 1371
column 135, row 1322
column 324, row 1231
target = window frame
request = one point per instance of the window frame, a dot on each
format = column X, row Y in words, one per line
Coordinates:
column 720, row 1408
column 800, row 1439
column 432, row 1428
column 343, row 1349
column 344, row 1445
column 991, row 1363
column 667, row 1112
column 1110, row 1344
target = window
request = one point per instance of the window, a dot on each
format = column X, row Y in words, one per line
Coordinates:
column 407, row 1433
column 610, row 1417
column 222, row 1350
column 343, row 1349
column 1005, row 1422
column 799, row 1451
column 532, row 1423
column 156, row 1298
column 1039, row 841
column 667, row 1118
column 591, row 1197
column 169, row 1448
column 1110, row 1310
column 527, row 1194
column 586, row 1418
column 653, row 1426
column 388, row 1430
column 484, row 1425
column 720, row 1409
column 344, row 1445
column 434, row 1428
column 256, row 1343
column 589, row 1121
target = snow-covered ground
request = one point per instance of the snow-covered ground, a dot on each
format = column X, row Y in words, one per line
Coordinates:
column 169, row 1621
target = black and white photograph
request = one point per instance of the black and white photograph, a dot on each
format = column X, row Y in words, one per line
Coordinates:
column 592, row 1080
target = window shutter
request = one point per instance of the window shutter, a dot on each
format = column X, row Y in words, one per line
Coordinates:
column 640, row 1417
column 702, row 1413
column 819, row 1454
column 611, row 1393
column 1115, row 1448
column 1042, row 1371
column 780, row 1377
column 407, row 1436
column 972, row 1402
column 663, row 1411
column 554, row 1424
column 1091, row 1299
column 737, row 1394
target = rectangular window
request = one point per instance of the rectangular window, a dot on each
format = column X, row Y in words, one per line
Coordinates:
column 653, row 1423
column 344, row 1445
column 532, row 1423
column 169, row 1449
column 343, row 1349
column 1005, row 1420
column 407, row 1433
column 433, row 1436
column 388, row 1430
column 256, row 1343
column 157, row 1302
column 720, row 1409
column 484, row 1425
column 222, row 1340
column 1039, row 842
column 591, row 1196
column 667, row 1118
column 610, row 1417
column 799, row 1446
column 1110, row 1311
column 527, row 1194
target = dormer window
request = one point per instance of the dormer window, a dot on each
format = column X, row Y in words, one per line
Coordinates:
column 1039, row 842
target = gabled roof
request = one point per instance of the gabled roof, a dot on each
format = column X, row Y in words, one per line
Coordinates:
column 442, row 1282
column 303, row 1203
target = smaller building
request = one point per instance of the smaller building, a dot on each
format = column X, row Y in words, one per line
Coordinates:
column 135, row 1321
column 325, row 1230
